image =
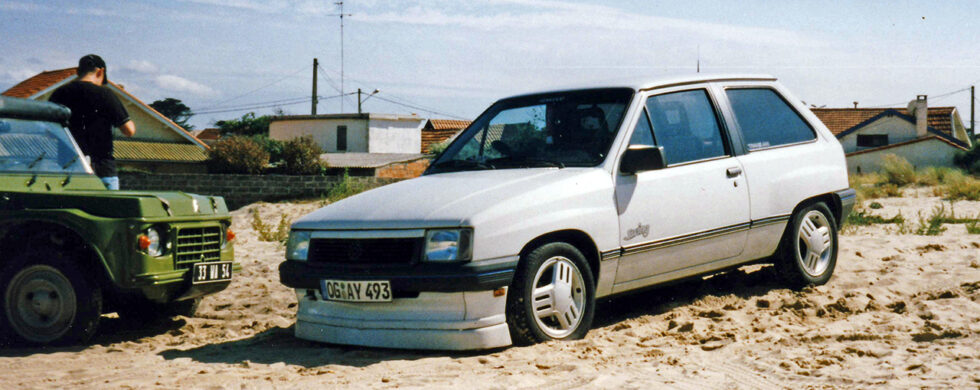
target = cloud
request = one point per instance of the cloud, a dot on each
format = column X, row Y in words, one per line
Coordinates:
column 525, row 15
column 179, row 84
column 140, row 66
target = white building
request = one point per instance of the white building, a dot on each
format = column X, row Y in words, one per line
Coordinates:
column 924, row 136
column 353, row 133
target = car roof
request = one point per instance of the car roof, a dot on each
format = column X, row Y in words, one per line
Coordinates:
column 641, row 84
column 11, row 107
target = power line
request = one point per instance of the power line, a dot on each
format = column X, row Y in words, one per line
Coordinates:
column 256, row 89
column 931, row 97
column 268, row 104
column 420, row 108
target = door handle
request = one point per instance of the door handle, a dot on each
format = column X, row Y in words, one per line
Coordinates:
column 733, row 172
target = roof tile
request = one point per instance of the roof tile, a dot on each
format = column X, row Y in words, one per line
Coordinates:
column 839, row 120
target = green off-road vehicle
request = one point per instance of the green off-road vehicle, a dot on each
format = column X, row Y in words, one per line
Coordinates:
column 70, row 250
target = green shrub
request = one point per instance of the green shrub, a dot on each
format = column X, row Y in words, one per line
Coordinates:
column 266, row 232
column 962, row 187
column 272, row 146
column 897, row 170
column 438, row 148
column 237, row 154
column 301, row 156
column 863, row 218
column 969, row 160
column 933, row 226
column 344, row 188
column 932, row 176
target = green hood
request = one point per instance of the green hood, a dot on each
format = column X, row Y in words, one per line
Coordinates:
column 86, row 193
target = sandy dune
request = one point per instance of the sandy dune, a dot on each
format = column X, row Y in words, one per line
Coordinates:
column 901, row 311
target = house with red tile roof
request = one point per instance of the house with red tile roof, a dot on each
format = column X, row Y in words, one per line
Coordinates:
column 437, row 131
column 923, row 135
column 160, row 145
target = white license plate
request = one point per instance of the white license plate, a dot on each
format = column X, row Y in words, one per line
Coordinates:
column 211, row 272
column 356, row 290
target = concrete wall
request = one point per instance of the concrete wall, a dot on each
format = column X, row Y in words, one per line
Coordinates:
column 241, row 190
column 324, row 132
column 898, row 130
column 395, row 136
column 930, row 153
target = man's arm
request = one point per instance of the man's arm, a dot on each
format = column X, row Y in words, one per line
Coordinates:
column 128, row 129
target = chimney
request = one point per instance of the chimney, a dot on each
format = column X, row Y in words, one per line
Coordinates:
column 919, row 109
column 855, row 104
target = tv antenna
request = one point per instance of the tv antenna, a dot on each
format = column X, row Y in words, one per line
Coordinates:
column 341, row 15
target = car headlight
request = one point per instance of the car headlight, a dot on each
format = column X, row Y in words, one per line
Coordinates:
column 448, row 245
column 298, row 245
column 150, row 242
column 227, row 236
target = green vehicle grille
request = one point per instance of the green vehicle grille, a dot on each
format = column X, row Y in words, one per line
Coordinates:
column 198, row 244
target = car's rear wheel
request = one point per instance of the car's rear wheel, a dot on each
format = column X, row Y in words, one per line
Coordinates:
column 808, row 252
column 47, row 300
column 552, row 296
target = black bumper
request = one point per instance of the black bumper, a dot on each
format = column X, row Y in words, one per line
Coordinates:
column 847, row 199
column 470, row 276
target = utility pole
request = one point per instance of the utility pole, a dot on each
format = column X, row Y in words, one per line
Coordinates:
column 358, row 100
column 341, row 14
column 699, row 58
column 973, row 103
column 315, row 65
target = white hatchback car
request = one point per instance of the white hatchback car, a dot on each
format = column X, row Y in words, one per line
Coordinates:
column 550, row 200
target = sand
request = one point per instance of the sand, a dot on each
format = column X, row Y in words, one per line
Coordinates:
column 901, row 311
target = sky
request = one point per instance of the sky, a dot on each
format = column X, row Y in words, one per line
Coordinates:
column 452, row 59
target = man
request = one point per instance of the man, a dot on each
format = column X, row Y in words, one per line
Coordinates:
column 95, row 110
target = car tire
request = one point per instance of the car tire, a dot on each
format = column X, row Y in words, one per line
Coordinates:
column 47, row 300
column 808, row 251
column 552, row 296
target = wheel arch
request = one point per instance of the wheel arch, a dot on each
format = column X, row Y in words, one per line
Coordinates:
column 577, row 238
column 832, row 201
column 21, row 234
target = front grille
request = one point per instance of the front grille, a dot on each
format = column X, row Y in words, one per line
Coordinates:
column 365, row 251
column 196, row 245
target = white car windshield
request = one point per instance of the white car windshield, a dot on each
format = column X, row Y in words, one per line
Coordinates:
column 574, row 128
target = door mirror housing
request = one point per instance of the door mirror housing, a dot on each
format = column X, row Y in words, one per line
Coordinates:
column 639, row 158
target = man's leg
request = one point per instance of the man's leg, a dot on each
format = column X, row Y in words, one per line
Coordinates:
column 111, row 182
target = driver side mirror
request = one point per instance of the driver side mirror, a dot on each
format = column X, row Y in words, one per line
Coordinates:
column 639, row 158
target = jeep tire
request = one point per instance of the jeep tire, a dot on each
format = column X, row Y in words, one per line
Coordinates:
column 47, row 300
column 808, row 251
column 552, row 296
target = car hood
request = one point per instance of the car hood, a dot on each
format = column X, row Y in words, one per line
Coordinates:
column 122, row 204
column 441, row 200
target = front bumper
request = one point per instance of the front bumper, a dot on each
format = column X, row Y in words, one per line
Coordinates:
column 176, row 285
column 426, row 277
column 438, row 321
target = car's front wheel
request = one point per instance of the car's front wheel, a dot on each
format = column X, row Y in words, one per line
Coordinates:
column 808, row 252
column 48, row 300
column 552, row 296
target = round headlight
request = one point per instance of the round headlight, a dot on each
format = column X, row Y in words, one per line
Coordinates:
column 154, row 245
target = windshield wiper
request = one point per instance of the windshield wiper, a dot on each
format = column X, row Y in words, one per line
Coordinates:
column 529, row 162
column 37, row 160
column 68, row 164
column 462, row 165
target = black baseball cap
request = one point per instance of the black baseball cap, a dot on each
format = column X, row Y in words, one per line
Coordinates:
column 91, row 62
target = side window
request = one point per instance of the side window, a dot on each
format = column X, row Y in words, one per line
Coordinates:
column 643, row 133
column 766, row 119
column 341, row 138
column 686, row 125
column 872, row 140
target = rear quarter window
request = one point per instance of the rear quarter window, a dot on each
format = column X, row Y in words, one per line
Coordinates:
column 766, row 120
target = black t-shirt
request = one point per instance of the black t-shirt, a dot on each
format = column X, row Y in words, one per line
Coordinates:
column 95, row 110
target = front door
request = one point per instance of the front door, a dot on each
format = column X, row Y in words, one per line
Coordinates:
column 677, row 221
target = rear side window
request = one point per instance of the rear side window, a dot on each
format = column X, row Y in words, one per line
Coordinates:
column 766, row 119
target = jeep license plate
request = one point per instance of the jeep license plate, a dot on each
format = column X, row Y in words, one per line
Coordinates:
column 356, row 291
column 211, row 272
